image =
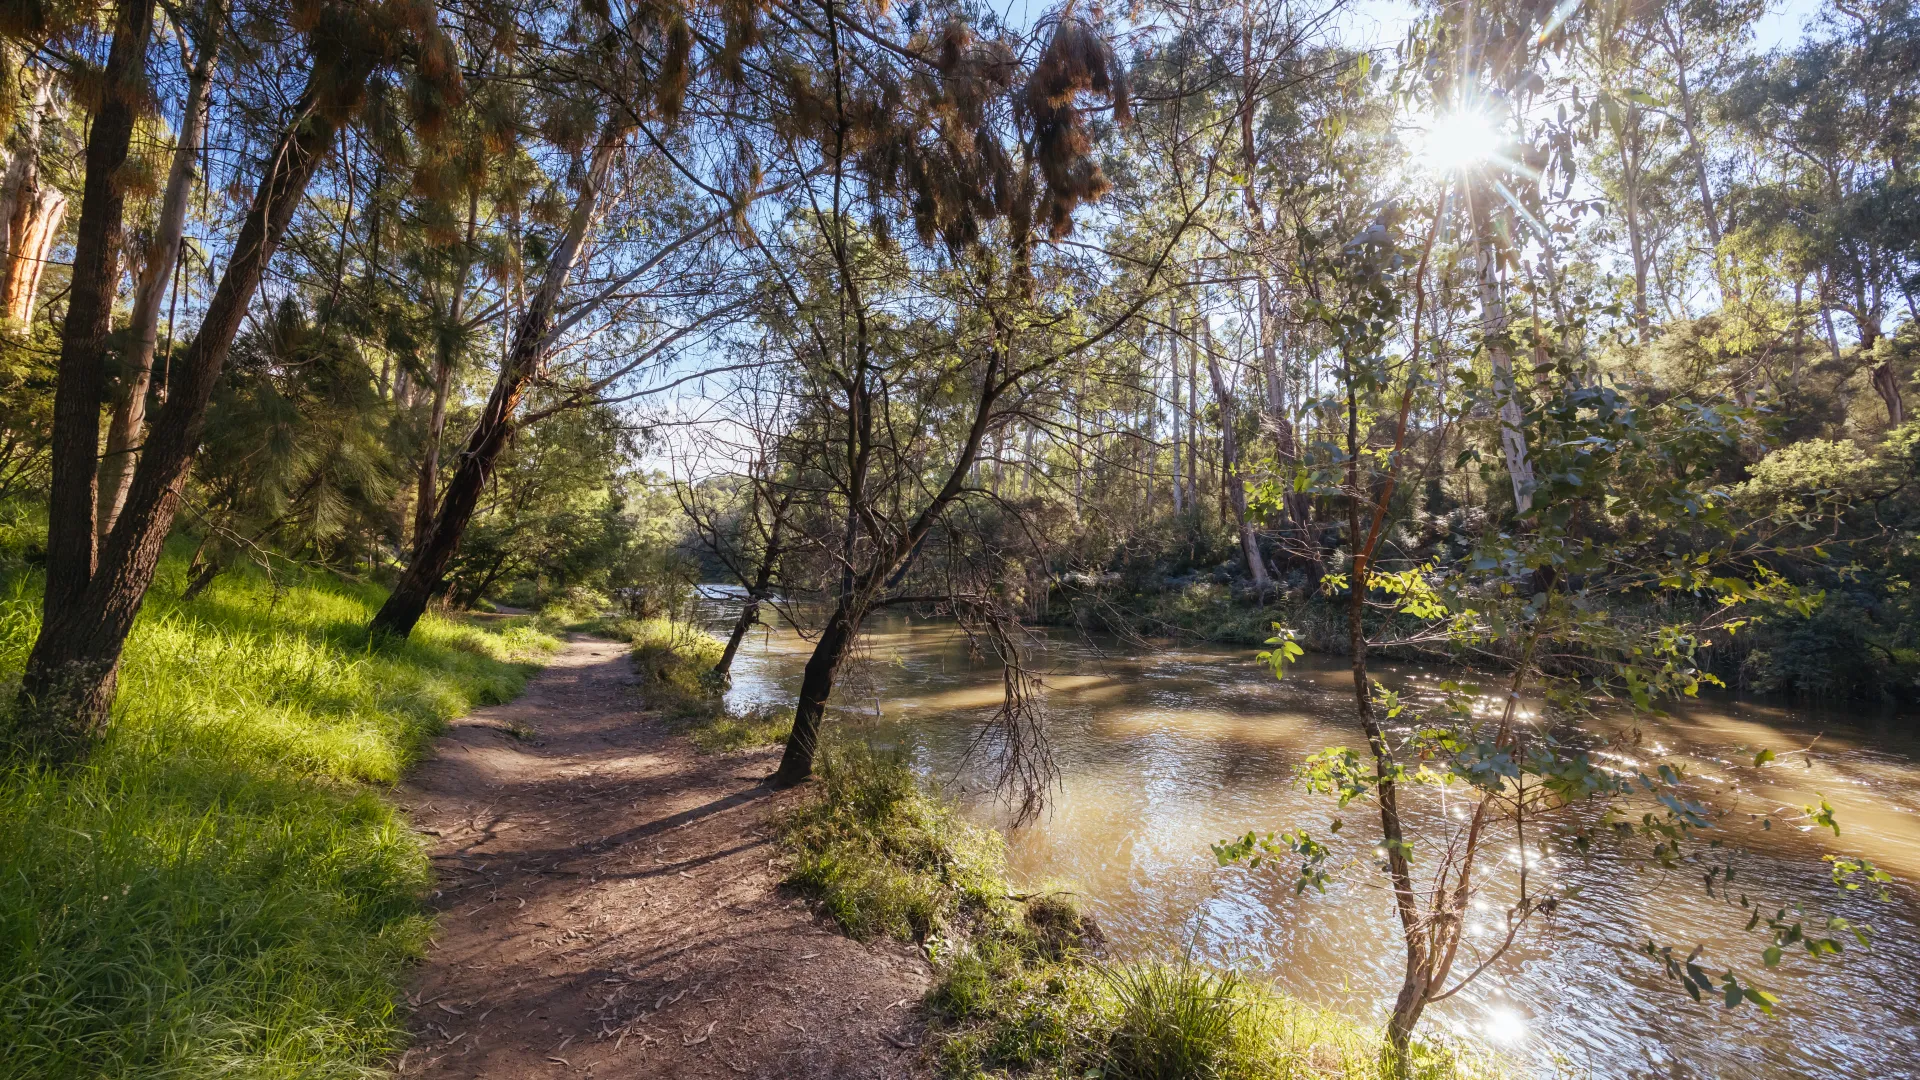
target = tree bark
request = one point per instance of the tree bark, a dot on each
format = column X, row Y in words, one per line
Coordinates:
column 67, row 688
column 427, row 569
column 1886, row 382
column 71, row 547
column 130, row 410
column 816, row 686
column 1193, row 424
column 749, row 615
column 1493, row 326
column 30, row 215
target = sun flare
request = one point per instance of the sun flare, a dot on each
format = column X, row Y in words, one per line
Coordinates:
column 1458, row 140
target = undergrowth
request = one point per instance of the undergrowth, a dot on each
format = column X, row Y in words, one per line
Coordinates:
column 1023, row 987
column 675, row 661
column 221, row 889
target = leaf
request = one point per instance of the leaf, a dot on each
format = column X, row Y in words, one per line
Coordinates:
column 1762, row 758
column 1771, row 957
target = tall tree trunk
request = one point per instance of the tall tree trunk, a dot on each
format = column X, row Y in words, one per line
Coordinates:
column 71, row 547
column 1179, row 419
column 130, row 410
column 1415, row 985
column 1235, row 484
column 1493, row 325
column 526, row 354
column 67, row 688
column 1630, row 178
column 1193, row 422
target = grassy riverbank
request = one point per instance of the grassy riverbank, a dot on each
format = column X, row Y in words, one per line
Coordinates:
column 1021, row 988
column 222, row 889
column 674, row 661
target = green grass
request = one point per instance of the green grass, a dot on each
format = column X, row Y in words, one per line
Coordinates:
column 675, row 663
column 222, row 889
column 886, row 858
column 1021, row 987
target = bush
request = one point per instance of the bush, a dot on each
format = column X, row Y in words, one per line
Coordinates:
column 884, row 857
column 765, row 725
column 218, row 890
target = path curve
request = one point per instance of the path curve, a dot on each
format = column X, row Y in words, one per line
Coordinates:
column 609, row 906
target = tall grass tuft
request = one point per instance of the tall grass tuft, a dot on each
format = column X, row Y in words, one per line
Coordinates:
column 675, row 661
column 1173, row 1022
column 221, row 889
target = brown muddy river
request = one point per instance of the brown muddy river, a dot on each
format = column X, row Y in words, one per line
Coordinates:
column 1164, row 752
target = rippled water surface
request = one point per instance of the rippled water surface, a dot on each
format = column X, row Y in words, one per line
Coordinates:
column 1163, row 752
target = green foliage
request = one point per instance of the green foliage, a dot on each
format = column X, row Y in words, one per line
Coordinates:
column 218, row 891
column 766, row 725
column 887, row 859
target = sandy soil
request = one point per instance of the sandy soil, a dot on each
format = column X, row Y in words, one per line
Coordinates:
column 610, row 906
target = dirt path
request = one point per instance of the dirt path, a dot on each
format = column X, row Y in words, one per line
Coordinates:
column 610, row 907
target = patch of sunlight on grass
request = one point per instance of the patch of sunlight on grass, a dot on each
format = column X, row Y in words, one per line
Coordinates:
column 217, row 891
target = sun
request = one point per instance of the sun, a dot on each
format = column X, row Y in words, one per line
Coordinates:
column 1458, row 140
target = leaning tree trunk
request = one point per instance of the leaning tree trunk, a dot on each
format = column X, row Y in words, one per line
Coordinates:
column 67, row 688
column 749, row 615
column 130, row 410
column 750, row 612
column 816, row 686
column 427, row 569
column 857, row 592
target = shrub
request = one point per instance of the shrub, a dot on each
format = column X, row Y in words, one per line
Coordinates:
column 886, row 858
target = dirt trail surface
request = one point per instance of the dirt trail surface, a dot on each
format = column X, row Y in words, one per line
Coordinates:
column 610, row 906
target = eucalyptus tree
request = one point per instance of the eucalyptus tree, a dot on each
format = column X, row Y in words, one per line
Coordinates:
column 1626, row 499
column 1836, row 115
column 322, row 63
column 611, row 265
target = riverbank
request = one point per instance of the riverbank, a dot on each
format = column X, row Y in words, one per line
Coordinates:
column 224, row 888
column 1023, row 983
column 1020, row 983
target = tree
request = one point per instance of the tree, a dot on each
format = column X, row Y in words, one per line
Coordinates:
column 908, row 403
column 649, row 58
column 93, row 590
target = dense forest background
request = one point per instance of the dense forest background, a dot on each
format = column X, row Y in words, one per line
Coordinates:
column 1064, row 321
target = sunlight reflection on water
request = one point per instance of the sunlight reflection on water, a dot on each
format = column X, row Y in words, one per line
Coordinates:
column 1164, row 754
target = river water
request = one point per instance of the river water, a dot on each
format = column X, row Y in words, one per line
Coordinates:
column 1164, row 751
